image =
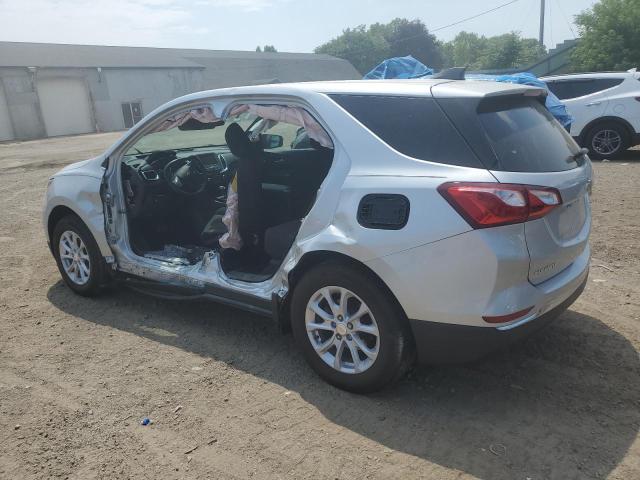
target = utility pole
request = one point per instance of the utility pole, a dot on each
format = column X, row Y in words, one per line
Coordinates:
column 541, row 35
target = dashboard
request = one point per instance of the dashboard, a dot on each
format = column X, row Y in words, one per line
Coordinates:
column 150, row 166
column 147, row 191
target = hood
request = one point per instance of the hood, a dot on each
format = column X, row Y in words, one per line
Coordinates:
column 91, row 167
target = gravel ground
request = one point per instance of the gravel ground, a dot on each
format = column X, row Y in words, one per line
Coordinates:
column 231, row 398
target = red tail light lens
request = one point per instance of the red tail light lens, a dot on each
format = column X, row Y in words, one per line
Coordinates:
column 485, row 205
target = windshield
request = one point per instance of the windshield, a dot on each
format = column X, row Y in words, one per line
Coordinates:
column 175, row 139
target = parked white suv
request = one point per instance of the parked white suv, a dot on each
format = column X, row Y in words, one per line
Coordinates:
column 605, row 107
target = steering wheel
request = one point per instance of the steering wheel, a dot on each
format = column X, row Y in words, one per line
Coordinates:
column 186, row 176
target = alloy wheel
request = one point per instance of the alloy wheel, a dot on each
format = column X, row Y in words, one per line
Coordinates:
column 606, row 142
column 74, row 257
column 342, row 329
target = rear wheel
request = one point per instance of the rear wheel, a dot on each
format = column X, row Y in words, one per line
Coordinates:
column 350, row 331
column 78, row 257
column 607, row 140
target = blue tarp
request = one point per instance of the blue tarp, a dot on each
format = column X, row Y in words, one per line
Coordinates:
column 409, row 67
column 553, row 103
column 399, row 67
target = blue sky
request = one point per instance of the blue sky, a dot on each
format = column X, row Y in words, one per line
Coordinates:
column 290, row 25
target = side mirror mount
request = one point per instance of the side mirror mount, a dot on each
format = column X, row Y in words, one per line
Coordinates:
column 269, row 141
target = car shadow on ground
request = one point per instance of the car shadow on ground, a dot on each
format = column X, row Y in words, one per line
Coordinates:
column 562, row 404
column 627, row 156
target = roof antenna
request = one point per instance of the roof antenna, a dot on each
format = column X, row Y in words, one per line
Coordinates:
column 454, row 73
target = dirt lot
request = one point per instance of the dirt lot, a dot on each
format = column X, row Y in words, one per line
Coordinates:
column 77, row 375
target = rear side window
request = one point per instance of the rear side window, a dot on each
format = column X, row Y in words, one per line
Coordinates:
column 567, row 89
column 414, row 126
column 525, row 137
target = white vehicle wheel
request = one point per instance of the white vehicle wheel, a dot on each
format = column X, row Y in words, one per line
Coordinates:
column 606, row 140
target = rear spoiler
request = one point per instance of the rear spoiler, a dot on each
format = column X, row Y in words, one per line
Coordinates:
column 484, row 89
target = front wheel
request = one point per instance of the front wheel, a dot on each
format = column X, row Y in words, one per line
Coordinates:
column 349, row 329
column 78, row 256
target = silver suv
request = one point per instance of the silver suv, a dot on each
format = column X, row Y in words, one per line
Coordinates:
column 380, row 221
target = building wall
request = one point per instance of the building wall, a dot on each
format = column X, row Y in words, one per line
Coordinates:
column 22, row 103
column 107, row 90
column 151, row 87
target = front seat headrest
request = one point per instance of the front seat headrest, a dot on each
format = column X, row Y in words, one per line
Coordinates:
column 239, row 143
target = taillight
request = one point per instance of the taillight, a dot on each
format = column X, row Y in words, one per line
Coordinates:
column 485, row 205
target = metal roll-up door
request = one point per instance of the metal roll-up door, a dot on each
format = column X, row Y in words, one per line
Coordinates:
column 64, row 103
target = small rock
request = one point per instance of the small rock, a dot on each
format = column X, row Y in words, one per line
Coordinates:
column 17, row 427
column 90, row 412
column 177, row 409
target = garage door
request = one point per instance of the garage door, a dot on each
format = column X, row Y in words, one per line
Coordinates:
column 64, row 103
column 6, row 132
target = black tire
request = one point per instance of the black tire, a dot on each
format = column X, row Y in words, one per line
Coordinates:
column 98, row 276
column 598, row 129
column 396, row 347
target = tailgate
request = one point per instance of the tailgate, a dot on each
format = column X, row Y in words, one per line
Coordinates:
column 520, row 142
column 558, row 238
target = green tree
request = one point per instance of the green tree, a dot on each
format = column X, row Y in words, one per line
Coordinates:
column 267, row 48
column 464, row 50
column 411, row 37
column 483, row 53
column 365, row 47
column 609, row 36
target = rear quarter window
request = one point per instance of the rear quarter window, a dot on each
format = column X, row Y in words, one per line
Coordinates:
column 414, row 126
column 567, row 89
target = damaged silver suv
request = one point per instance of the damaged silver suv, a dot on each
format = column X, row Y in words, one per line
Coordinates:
column 381, row 221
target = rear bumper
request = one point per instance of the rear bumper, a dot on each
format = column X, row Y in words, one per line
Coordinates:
column 439, row 343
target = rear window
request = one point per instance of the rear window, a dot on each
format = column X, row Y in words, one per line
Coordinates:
column 525, row 137
column 567, row 89
column 414, row 126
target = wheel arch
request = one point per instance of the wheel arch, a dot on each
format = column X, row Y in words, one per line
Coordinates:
column 314, row 258
column 57, row 214
column 628, row 127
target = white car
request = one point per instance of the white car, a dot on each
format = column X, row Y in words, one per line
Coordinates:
column 376, row 219
column 605, row 107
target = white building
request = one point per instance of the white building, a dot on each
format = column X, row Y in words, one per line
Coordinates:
column 51, row 89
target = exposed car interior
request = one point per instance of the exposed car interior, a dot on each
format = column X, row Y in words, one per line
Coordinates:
column 176, row 184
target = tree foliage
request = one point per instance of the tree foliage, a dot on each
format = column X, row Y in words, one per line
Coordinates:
column 365, row 47
column 484, row 53
column 267, row 48
column 610, row 36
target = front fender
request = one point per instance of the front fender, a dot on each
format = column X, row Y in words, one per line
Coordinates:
column 81, row 194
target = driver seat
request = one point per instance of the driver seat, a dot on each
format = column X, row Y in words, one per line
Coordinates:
column 249, row 182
